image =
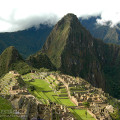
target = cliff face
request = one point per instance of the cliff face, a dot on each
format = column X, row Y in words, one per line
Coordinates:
column 73, row 50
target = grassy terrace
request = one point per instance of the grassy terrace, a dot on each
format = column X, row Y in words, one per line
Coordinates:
column 44, row 92
column 6, row 84
column 6, row 110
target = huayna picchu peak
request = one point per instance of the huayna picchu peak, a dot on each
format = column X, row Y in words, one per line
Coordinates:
column 70, row 48
column 63, row 34
column 73, row 50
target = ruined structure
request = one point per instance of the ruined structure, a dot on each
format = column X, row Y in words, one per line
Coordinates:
column 26, row 105
column 80, row 91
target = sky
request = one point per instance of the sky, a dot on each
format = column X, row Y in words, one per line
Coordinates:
column 22, row 14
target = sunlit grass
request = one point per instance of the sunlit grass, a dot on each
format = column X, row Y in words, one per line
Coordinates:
column 45, row 93
column 6, row 109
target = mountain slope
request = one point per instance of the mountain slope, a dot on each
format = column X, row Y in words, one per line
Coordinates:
column 40, row 60
column 76, row 56
column 57, row 40
column 10, row 59
column 73, row 50
column 33, row 39
column 105, row 32
column 26, row 41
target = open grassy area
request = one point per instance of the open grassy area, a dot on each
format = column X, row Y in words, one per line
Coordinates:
column 80, row 114
column 6, row 111
column 44, row 92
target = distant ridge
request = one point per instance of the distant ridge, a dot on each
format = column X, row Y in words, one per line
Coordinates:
column 105, row 32
column 26, row 41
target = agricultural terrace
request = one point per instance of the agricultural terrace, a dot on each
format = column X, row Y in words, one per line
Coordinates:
column 48, row 90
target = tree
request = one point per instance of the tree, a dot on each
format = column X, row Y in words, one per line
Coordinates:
column 32, row 88
column 57, row 87
column 86, row 105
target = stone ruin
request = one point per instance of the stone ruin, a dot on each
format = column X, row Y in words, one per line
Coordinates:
column 95, row 96
column 28, row 107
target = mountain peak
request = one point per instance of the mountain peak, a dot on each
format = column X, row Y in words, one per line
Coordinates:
column 67, row 33
column 12, row 53
column 10, row 48
column 70, row 17
column 70, row 48
column 8, row 57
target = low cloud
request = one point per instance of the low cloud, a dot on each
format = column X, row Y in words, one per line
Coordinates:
column 22, row 14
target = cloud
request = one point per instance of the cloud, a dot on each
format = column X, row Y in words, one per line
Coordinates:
column 22, row 14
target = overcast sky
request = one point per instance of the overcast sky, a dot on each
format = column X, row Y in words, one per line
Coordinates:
column 22, row 14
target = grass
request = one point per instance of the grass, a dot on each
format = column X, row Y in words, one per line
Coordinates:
column 44, row 93
column 6, row 109
column 81, row 113
column 4, row 83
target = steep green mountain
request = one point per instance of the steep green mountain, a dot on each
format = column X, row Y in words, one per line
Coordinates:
column 27, row 42
column 10, row 59
column 40, row 60
column 73, row 50
column 105, row 32
column 70, row 48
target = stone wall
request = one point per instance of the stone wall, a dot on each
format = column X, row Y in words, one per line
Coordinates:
column 74, row 100
column 92, row 114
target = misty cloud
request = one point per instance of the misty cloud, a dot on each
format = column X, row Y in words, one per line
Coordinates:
column 22, row 14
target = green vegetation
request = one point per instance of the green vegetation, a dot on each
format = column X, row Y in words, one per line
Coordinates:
column 73, row 51
column 80, row 114
column 115, row 115
column 40, row 60
column 21, row 67
column 10, row 80
column 58, row 36
column 44, row 92
column 87, row 105
column 10, row 59
column 43, row 70
column 104, row 32
column 6, row 110
column 114, row 102
column 32, row 88
column 27, row 42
